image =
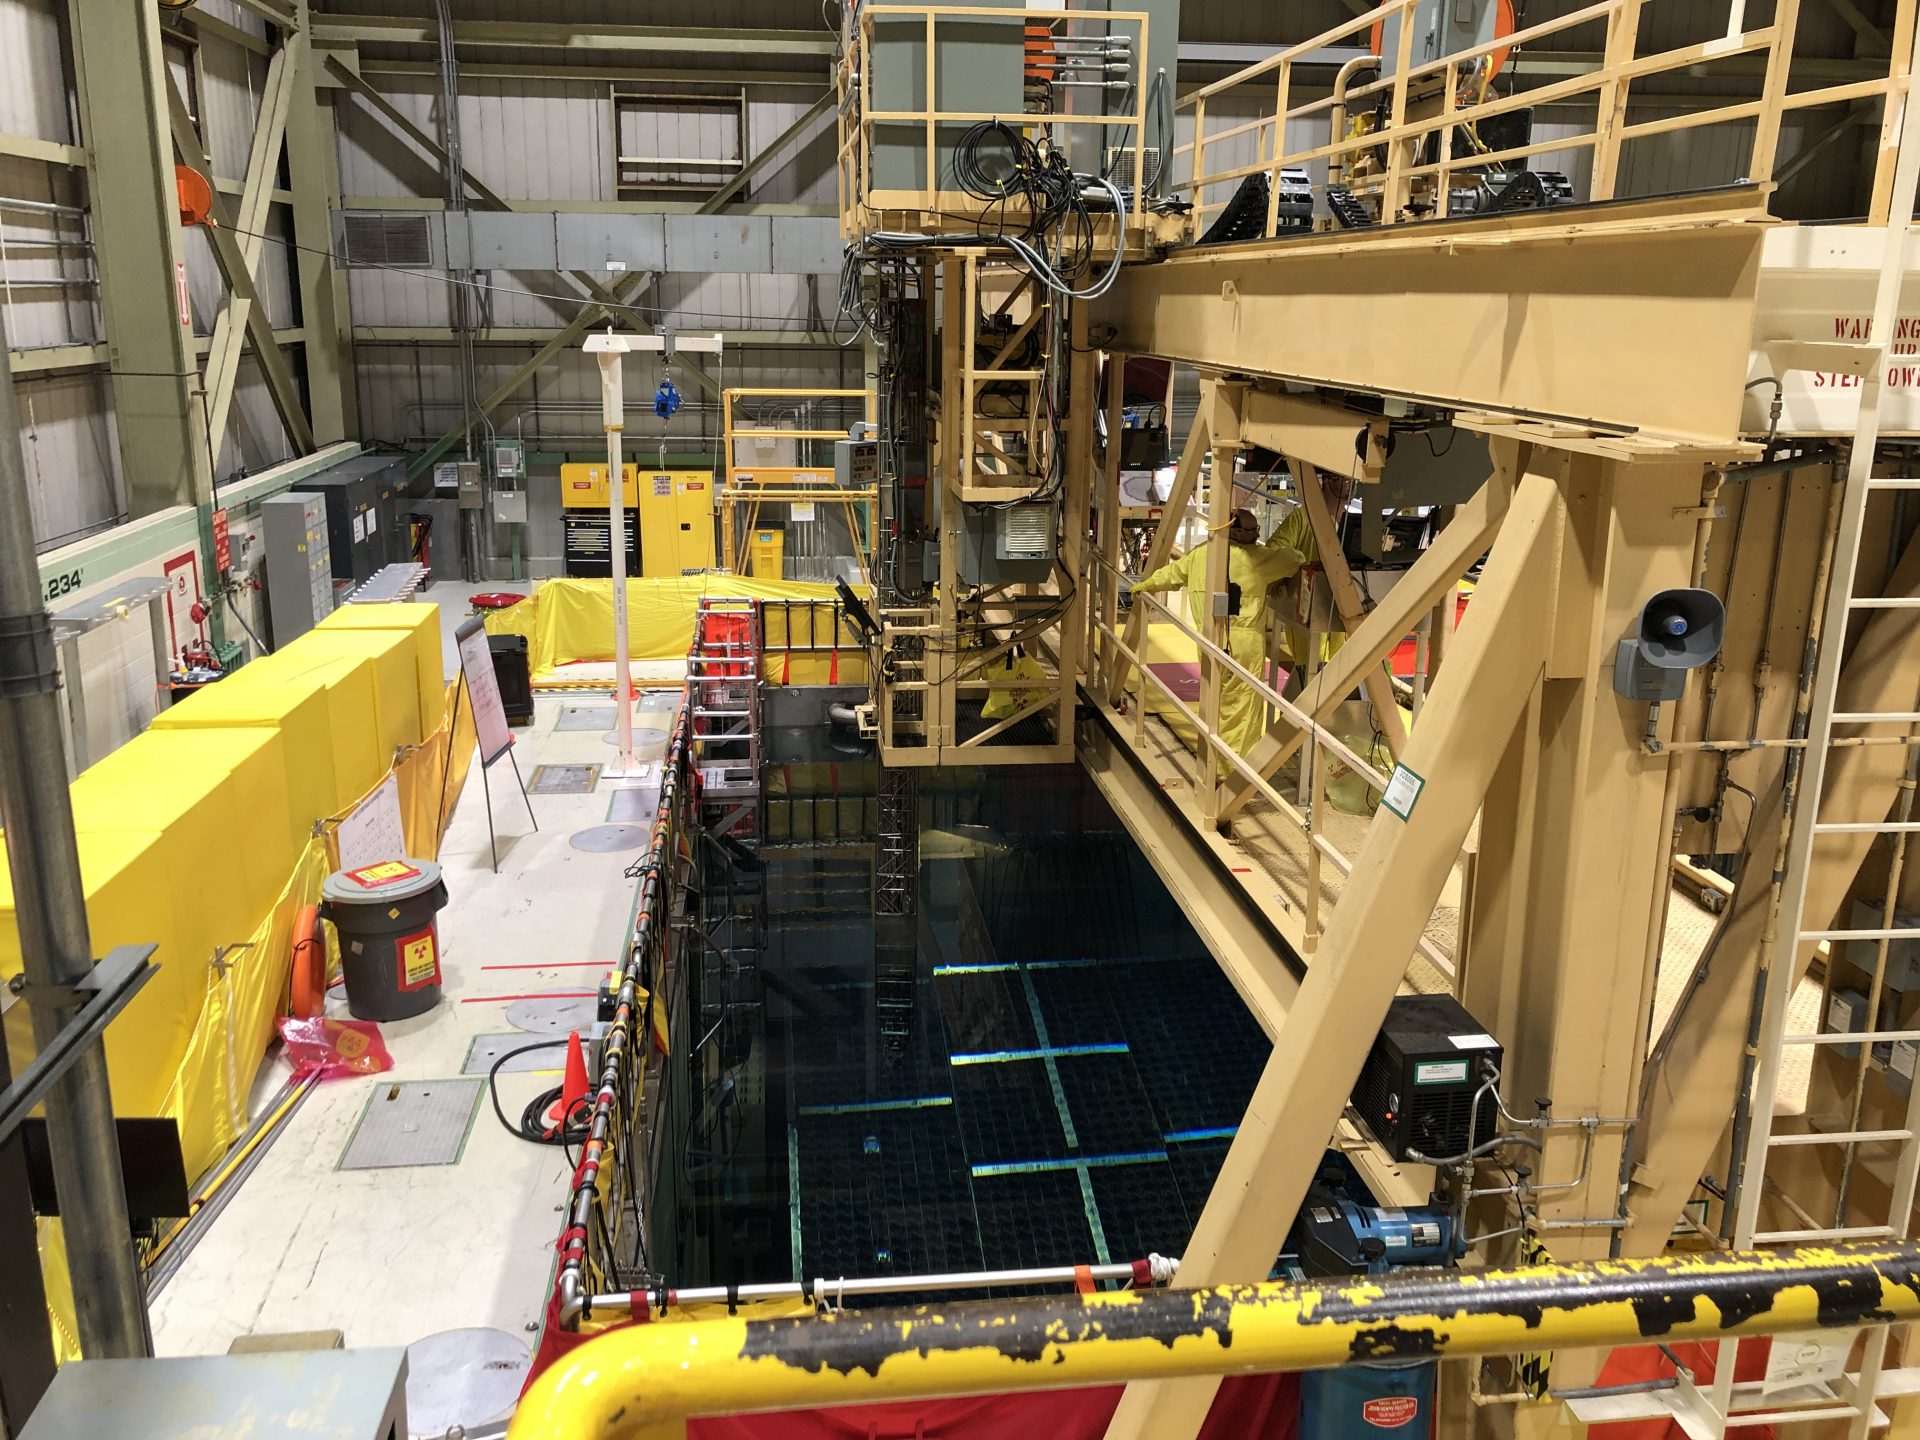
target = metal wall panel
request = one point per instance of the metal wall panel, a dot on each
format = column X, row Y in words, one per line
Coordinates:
column 632, row 242
column 67, row 445
column 33, row 95
column 718, row 242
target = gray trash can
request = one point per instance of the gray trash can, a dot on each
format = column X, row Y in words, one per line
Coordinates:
column 389, row 943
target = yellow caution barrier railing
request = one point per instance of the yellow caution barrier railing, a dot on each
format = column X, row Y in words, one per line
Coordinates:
column 642, row 1382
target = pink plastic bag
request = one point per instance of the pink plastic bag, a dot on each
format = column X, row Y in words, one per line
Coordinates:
column 333, row 1047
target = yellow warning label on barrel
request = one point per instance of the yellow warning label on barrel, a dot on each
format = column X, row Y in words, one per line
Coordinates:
column 419, row 963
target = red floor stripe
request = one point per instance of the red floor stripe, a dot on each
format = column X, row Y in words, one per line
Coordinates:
column 532, row 995
column 554, row 965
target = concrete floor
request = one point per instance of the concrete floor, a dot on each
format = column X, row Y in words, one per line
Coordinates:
column 389, row 1256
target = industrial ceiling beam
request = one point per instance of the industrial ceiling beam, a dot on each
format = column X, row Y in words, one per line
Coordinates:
column 542, row 35
column 753, row 167
column 272, row 11
column 121, row 70
column 263, row 162
column 313, row 175
column 509, row 335
column 243, row 300
column 626, row 290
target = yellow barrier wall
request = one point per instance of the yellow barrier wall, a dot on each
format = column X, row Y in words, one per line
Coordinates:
column 396, row 684
column 348, row 686
column 569, row 620
column 298, row 713
column 421, row 621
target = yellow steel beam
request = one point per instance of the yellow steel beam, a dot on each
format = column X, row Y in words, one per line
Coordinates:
column 1504, row 315
column 1185, row 476
column 642, row 1382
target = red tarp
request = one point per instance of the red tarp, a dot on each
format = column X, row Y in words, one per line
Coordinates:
column 1248, row 1407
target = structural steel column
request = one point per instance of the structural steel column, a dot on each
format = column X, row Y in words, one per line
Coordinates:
column 1388, row 899
column 313, row 172
column 55, row 949
column 122, row 76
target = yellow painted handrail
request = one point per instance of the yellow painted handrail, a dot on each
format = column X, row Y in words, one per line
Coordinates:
column 644, row 1381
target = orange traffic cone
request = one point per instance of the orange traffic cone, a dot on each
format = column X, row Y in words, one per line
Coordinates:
column 573, row 1089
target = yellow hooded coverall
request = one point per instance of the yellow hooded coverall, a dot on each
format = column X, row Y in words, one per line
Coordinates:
column 1250, row 570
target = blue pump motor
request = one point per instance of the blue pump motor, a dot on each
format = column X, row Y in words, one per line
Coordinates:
column 666, row 400
column 1378, row 1401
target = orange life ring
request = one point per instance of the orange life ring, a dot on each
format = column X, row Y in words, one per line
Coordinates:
column 309, row 963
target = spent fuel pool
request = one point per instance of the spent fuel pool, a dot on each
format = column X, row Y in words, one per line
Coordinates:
column 1043, row 1066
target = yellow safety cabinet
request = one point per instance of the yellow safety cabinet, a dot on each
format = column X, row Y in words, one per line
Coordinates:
column 421, row 622
column 298, row 712
column 586, row 544
column 347, row 682
column 676, row 523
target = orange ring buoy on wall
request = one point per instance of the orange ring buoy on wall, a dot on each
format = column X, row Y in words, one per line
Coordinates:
column 196, row 195
column 309, row 977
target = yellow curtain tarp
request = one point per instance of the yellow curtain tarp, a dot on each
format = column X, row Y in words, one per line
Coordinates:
column 572, row 620
column 227, row 1019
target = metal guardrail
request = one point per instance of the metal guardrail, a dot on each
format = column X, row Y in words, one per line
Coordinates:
column 643, row 1381
column 1385, row 161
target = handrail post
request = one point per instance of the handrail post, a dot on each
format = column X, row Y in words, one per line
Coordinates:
column 1280, row 98
column 1766, row 126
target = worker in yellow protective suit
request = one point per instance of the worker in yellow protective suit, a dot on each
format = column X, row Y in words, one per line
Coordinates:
column 1252, row 566
column 1296, row 534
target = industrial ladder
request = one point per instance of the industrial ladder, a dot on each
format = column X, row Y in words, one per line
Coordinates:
column 1852, row 1397
column 723, row 689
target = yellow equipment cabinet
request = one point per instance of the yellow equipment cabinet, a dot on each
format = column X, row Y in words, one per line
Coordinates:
column 766, row 550
column 584, row 487
column 586, row 549
column 676, row 523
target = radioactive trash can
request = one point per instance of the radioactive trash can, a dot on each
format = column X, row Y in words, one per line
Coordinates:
column 389, row 944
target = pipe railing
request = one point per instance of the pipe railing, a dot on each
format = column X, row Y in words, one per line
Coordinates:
column 616, row 1100
column 1449, row 96
column 1319, row 847
column 642, row 1382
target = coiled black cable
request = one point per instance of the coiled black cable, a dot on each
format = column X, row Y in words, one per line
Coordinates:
column 533, row 1124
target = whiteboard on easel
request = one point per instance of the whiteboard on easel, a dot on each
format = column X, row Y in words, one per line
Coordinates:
column 483, row 691
column 375, row 830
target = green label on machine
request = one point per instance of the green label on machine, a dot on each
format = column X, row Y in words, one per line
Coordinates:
column 1440, row 1072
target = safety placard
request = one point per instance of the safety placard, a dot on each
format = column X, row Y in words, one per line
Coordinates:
column 1390, row 1412
column 387, row 872
column 1402, row 792
column 419, row 960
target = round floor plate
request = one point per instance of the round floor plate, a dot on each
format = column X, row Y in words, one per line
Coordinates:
column 642, row 735
column 465, row 1378
column 608, row 839
column 552, row 1015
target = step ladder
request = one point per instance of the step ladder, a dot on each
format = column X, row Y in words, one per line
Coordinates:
column 1725, row 1406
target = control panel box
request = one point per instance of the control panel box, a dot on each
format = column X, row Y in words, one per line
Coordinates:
column 299, row 563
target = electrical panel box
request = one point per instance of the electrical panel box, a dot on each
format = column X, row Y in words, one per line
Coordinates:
column 856, row 464
column 1005, row 546
column 1903, row 956
column 676, row 522
column 1846, row 1013
column 299, row 564
column 1440, row 28
column 361, row 496
column 1416, row 1090
column 472, row 491
column 509, row 460
column 584, row 487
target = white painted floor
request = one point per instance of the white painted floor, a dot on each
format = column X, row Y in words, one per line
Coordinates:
column 389, row 1256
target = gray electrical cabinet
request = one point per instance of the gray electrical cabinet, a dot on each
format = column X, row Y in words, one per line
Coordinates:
column 979, row 67
column 299, row 563
column 1440, row 28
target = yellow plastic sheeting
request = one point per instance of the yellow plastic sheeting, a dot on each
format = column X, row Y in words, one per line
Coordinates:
column 568, row 620
column 131, row 900
column 348, row 685
column 421, row 620
column 396, row 682
column 298, row 714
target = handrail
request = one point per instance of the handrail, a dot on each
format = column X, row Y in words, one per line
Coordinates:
column 1405, row 186
column 642, row 1382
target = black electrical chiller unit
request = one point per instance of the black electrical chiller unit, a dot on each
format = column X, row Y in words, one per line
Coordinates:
column 1416, row 1090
